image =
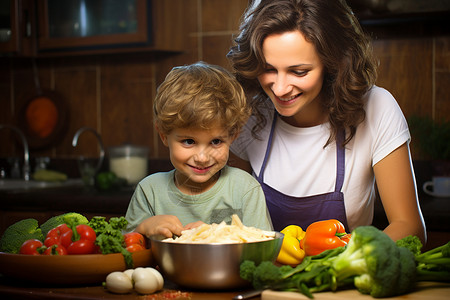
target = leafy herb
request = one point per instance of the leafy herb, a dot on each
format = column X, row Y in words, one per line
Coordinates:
column 110, row 238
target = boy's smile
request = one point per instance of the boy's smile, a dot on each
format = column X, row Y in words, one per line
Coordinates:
column 198, row 155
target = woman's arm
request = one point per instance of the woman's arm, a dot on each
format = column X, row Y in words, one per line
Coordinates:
column 235, row 161
column 397, row 188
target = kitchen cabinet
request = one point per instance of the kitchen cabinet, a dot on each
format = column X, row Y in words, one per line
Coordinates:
column 77, row 24
column 87, row 27
column 9, row 41
column 17, row 33
column 81, row 27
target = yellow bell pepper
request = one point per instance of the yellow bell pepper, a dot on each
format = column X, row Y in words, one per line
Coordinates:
column 291, row 253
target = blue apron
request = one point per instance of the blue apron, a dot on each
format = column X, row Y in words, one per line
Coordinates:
column 302, row 211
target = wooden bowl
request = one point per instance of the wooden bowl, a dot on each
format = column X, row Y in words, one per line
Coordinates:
column 68, row 269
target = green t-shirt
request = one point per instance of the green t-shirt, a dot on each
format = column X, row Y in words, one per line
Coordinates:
column 235, row 192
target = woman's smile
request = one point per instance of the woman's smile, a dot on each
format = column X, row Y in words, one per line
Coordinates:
column 287, row 100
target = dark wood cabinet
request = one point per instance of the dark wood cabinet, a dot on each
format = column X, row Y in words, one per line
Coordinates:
column 80, row 27
column 9, row 41
column 17, row 30
column 80, row 24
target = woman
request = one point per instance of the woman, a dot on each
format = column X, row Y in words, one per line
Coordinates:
column 322, row 133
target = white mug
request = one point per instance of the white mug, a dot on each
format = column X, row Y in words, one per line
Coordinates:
column 440, row 187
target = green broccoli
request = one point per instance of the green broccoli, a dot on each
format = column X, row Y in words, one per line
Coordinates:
column 267, row 272
column 374, row 256
column 267, row 275
column 432, row 265
column 58, row 220
column 19, row 232
column 412, row 243
column 287, row 278
column 407, row 281
column 247, row 269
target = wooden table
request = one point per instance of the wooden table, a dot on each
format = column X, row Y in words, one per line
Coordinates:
column 14, row 289
column 424, row 291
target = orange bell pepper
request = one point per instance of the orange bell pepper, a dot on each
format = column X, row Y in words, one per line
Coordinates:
column 324, row 235
column 291, row 253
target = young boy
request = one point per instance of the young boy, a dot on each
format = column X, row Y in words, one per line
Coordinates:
column 199, row 110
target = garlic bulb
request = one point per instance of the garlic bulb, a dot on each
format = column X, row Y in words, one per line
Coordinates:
column 119, row 283
column 147, row 281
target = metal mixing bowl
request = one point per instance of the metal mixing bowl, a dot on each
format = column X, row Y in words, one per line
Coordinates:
column 210, row 266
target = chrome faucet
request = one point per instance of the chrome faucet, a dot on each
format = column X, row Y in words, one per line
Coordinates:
column 26, row 152
column 99, row 139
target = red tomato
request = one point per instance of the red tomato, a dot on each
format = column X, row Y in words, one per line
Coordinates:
column 66, row 238
column 53, row 233
column 54, row 236
column 30, row 247
column 134, row 238
column 58, row 230
column 135, row 247
column 86, row 232
column 55, row 249
column 51, row 240
column 81, row 247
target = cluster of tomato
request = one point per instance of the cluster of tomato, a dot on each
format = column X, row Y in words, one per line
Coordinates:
column 134, row 241
column 59, row 241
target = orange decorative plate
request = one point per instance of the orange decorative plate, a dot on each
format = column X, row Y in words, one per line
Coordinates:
column 68, row 269
column 43, row 119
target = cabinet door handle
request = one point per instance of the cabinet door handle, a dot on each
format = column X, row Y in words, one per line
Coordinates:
column 27, row 23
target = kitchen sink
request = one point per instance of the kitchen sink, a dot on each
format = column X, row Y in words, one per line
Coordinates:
column 20, row 184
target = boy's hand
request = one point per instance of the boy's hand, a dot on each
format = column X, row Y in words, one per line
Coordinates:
column 166, row 225
column 193, row 225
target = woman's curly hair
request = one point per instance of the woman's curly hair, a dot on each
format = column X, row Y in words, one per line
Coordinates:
column 200, row 95
column 342, row 46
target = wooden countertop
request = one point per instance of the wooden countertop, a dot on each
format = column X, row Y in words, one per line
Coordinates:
column 424, row 291
column 12, row 289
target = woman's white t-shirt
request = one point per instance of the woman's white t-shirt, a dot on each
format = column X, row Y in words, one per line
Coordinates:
column 299, row 166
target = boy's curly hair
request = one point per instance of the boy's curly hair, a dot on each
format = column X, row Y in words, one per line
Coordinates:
column 200, row 95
